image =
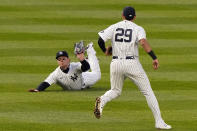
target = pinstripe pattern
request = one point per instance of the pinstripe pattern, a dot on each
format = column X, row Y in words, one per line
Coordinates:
column 69, row 81
column 124, row 48
column 125, row 43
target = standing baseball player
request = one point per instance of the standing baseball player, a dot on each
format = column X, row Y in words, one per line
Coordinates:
column 125, row 36
column 74, row 75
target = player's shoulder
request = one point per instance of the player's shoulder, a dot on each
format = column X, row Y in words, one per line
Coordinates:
column 118, row 23
column 115, row 24
column 57, row 70
column 138, row 27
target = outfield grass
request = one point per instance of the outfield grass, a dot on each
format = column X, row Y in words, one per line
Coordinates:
column 32, row 31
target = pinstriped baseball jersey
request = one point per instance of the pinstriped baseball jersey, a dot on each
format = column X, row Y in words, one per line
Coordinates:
column 125, row 36
column 71, row 80
column 75, row 79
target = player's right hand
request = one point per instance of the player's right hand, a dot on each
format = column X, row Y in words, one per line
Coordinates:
column 33, row 90
column 155, row 64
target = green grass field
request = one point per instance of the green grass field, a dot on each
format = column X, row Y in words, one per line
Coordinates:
column 32, row 31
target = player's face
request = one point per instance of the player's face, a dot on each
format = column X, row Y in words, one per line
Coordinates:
column 63, row 62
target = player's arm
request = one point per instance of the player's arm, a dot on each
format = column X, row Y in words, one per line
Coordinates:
column 148, row 49
column 101, row 44
column 108, row 50
column 104, row 36
column 41, row 87
column 84, row 64
column 46, row 83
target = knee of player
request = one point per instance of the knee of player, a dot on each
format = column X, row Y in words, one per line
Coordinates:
column 98, row 76
column 117, row 92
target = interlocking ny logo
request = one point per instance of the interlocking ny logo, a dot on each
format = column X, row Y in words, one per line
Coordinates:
column 74, row 78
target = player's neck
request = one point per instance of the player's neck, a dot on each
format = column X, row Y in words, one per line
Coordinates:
column 64, row 69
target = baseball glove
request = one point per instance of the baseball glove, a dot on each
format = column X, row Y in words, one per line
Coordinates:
column 108, row 51
column 79, row 48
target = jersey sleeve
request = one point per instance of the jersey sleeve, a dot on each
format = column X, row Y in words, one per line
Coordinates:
column 51, row 79
column 76, row 66
column 141, row 33
column 107, row 34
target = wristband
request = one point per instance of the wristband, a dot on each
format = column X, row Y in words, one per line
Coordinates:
column 152, row 54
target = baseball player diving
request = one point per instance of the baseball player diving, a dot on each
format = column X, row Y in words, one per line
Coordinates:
column 74, row 75
column 125, row 37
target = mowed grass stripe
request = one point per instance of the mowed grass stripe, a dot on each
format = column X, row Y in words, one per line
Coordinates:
column 34, row 60
column 47, row 36
column 91, row 28
column 172, row 35
column 39, row 69
column 128, row 95
column 76, row 2
column 171, row 51
column 159, row 86
column 171, row 27
column 30, row 52
column 173, row 76
column 70, row 7
column 173, row 85
column 186, row 61
column 49, row 28
column 155, row 76
column 160, row 43
column 98, row 14
column 25, row 68
column 51, row 51
column 87, row 36
column 68, row 44
column 115, row 106
column 93, row 21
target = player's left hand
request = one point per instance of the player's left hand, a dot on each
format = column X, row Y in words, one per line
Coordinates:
column 108, row 51
column 155, row 64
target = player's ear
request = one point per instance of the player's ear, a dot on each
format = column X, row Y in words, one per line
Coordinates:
column 134, row 18
column 123, row 17
column 68, row 59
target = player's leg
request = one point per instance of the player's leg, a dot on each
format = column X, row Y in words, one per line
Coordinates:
column 90, row 78
column 141, row 80
column 92, row 59
column 116, row 79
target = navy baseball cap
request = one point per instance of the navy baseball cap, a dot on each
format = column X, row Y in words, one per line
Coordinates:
column 61, row 53
column 129, row 12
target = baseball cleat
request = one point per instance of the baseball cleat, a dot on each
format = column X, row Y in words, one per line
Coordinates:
column 97, row 109
column 163, row 126
column 90, row 49
column 89, row 45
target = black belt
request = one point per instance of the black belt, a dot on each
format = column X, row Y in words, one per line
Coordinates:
column 127, row 57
